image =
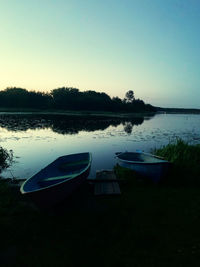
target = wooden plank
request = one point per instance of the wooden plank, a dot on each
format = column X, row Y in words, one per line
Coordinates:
column 107, row 183
column 106, row 174
column 111, row 188
column 103, row 180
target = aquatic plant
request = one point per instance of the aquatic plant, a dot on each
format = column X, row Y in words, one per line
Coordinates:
column 180, row 152
column 186, row 162
column 6, row 158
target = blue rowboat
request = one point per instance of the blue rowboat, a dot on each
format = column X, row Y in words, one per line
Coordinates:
column 57, row 180
column 145, row 164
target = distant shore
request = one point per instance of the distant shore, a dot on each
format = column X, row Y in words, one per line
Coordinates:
column 178, row 110
column 93, row 113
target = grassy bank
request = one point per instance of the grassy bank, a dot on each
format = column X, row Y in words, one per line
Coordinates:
column 148, row 225
column 185, row 160
column 94, row 113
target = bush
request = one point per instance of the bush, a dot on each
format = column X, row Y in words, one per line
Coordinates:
column 6, row 158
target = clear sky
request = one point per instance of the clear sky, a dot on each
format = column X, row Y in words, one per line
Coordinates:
column 149, row 46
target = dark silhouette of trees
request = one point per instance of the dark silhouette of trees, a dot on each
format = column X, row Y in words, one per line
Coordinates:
column 65, row 98
column 21, row 98
column 14, row 97
column 73, row 99
column 39, row 100
column 96, row 101
column 117, row 104
column 68, row 98
column 129, row 97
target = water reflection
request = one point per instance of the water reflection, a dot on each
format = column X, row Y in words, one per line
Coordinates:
column 128, row 127
column 63, row 124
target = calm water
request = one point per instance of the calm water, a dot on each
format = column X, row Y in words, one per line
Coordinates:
column 36, row 140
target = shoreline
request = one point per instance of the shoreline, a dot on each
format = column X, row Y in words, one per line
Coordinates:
column 105, row 114
column 83, row 113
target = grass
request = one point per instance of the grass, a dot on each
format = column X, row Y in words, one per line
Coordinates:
column 186, row 163
column 148, row 225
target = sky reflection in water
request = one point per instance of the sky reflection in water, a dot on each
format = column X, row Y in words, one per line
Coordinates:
column 37, row 141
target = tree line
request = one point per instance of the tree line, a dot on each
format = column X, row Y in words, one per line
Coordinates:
column 68, row 98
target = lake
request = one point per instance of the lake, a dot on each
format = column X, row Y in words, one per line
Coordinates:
column 37, row 140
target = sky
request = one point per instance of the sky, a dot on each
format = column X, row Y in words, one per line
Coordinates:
column 149, row 46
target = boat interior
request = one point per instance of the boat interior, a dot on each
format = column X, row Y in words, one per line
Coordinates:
column 140, row 157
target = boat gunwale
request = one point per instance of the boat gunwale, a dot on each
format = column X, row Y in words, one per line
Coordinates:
column 53, row 185
column 162, row 161
column 145, row 163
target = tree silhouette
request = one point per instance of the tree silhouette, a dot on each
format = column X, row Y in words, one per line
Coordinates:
column 69, row 98
column 129, row 97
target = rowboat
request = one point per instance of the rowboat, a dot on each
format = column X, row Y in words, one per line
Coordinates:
column 145, row 164
column 57, row 180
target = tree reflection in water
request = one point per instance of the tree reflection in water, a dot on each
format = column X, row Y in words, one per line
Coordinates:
column 64, row 124
column 128, row 125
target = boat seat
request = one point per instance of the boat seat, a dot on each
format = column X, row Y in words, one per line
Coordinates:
column 59, row 177
column 56, row 179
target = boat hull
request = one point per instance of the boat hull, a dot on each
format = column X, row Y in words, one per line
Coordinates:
column 155, row 171
column 58, row 180
column 50, row 196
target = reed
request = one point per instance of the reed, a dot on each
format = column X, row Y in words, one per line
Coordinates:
column 185, row 159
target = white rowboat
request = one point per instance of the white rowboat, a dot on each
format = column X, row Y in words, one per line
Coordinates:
column 145, row 164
